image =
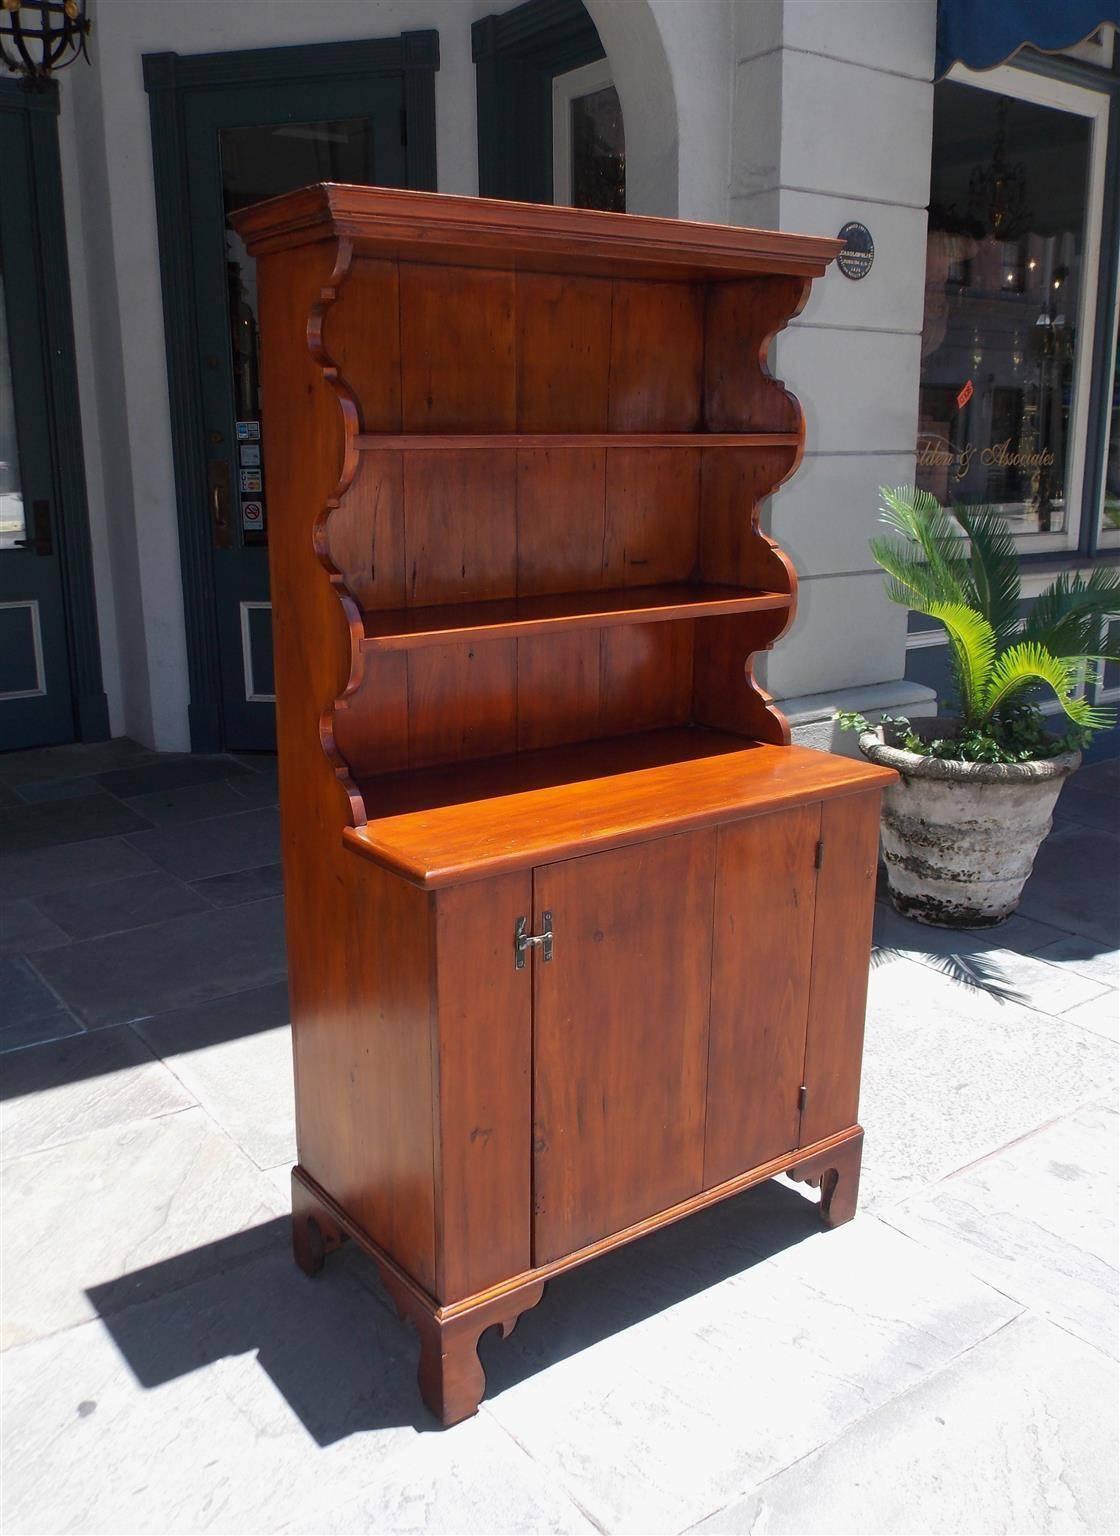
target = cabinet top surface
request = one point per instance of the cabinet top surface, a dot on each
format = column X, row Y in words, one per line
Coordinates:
column 474, row 231
column 545, row 806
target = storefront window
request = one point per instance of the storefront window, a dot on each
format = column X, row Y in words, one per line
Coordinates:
column 1005, row 265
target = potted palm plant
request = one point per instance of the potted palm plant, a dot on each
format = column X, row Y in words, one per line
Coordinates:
column 977, row 787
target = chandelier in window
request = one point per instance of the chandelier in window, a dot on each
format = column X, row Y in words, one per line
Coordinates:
column 997, row 192
column 39, row 36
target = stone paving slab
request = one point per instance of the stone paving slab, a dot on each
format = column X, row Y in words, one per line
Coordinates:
column 62, row 1092
column 69, row 820
column 137, row 901
column 184, row 960
column 1088, row 957
column 24, row 929
column 32, row 1012
column 26, row 875
column 1038, row 1221
column 1011, row 962
column 1101, row 1015
column 253, row 1400
column 187, row 802
column 246, row 1085
column 71, row 761
column 999, row 1442
column 241, row 885
column 1076, row 882
column 486, row 1484
column 952, row 1072
column 670, row 1419
column 901, row 935
column 112, row 1202
column 169, row 771
column 1089, row 801
column 218, row 846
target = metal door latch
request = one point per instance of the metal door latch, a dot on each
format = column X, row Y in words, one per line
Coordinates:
column 523, row 939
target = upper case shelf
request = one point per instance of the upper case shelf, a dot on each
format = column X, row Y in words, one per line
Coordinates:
column 401, row 629
column 370, row 441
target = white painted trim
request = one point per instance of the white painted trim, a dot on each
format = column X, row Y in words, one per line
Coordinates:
column 1109, row 538
column 1084, row 102
column 925, row 639
column 1094, row 49
column 251, row 694
column 566, row 89
column 31, row 603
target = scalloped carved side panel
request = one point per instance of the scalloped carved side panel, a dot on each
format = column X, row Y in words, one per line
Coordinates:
column 362, row 334
column 734, row 549
column 740, row 394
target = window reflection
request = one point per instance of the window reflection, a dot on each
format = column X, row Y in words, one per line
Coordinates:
column 1003, row 286
column 598, row 151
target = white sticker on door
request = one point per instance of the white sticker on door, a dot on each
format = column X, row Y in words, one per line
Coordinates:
column 251, row 484
column 250, row 455
column 248, row 431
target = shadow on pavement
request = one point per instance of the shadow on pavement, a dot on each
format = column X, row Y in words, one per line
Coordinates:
column 342, row 1360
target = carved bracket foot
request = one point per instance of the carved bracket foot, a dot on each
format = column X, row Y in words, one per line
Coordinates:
column 315, row 1233
column 836, row 1174
column 452, row 1381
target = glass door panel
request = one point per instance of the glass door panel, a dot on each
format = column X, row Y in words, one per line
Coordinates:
column 13, row 526
column 36, row 705
column 244, row 147
column 259, row 162
column 589, row 143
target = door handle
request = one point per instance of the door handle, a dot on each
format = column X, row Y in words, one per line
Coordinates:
column 523, row 939
column 219, row 503
column 43, row 541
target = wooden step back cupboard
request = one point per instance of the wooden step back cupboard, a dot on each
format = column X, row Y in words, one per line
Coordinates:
column 578, row 941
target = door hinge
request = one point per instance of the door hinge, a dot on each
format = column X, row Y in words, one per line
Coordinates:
column 802, row 1095
column 818, row 857
column 523, row 939
column 404, row 125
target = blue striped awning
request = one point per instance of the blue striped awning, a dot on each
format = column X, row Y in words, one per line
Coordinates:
column 983, row 33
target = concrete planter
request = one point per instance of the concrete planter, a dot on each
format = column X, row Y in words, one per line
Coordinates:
column 960, row 839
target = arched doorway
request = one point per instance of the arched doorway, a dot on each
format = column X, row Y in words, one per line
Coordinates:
column 576, row 105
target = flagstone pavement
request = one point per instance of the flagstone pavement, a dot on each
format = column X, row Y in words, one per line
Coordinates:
column 946, row 1362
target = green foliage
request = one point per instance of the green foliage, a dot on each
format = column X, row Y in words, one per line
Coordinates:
column 1020, row 736
column 958, row 565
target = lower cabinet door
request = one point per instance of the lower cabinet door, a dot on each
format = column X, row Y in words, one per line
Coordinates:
column 620, row 1037
column 762, row 959
column 841, row 951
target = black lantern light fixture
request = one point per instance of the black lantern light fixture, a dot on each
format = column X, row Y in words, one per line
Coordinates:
column 997, row 192
column 39, row 36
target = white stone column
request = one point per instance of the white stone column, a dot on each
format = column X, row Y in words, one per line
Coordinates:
column 832, row 122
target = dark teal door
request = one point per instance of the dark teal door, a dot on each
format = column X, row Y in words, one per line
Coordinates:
column 35, row 686
column 241, row 146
